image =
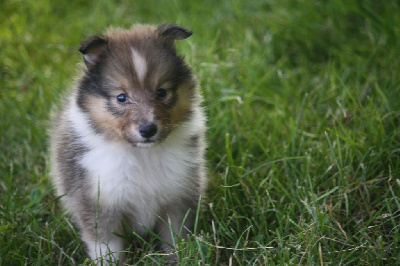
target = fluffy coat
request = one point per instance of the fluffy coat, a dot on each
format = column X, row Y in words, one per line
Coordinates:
column 127, row 146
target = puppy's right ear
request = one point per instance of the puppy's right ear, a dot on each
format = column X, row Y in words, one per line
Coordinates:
column 92, row 49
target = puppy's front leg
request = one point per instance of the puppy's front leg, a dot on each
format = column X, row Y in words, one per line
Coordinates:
column 175, row 221
column 103, row 246
column 107, row 251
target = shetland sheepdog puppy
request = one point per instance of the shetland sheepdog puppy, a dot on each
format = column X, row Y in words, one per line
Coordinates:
column 127, row 146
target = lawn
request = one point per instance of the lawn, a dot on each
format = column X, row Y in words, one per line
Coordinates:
column 303, row 105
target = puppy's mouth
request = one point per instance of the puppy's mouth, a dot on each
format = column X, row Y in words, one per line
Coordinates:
column 146, row 143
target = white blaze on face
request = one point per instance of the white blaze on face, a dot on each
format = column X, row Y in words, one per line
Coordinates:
column 140, row 64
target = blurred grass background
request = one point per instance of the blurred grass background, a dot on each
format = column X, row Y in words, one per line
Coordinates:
column 303, row 100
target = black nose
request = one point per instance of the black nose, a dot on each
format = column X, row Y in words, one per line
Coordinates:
column 147, row 131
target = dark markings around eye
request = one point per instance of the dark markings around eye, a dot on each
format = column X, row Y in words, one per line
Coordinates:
column 115, row 110
column 173, row 98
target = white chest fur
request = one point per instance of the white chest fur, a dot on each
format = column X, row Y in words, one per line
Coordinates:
column 122, row 175
column 137, row 178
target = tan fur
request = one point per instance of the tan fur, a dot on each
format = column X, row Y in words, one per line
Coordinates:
column 182, row 107
column 103, row 118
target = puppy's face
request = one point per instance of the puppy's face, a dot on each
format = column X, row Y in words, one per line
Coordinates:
column 136, row 88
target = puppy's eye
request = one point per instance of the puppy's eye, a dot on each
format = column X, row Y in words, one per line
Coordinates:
column 161, row 93
column 122, row 98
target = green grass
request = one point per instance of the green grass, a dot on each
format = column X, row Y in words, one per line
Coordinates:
column 303, row 100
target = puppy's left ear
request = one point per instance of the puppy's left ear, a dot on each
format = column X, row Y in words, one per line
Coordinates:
column 92, row 49
column 173, row 32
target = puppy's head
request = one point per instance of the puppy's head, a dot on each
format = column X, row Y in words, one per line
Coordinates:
column 135, row 87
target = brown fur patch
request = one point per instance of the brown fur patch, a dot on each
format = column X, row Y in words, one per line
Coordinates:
column 184, row 103
column 102, row 118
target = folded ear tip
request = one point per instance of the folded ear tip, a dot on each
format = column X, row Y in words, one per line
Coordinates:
column 92, row 42
column 189, row 33
column 172, row 31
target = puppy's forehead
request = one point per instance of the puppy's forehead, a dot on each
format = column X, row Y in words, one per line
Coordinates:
column 140, row 58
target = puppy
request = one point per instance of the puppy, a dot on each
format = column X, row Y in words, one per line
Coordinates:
column 127, row 146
